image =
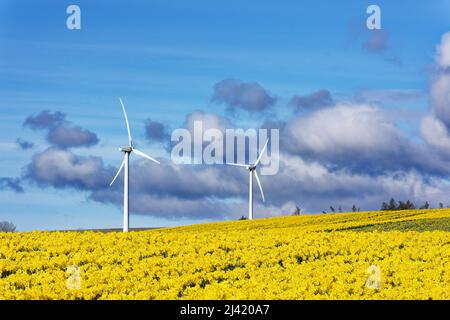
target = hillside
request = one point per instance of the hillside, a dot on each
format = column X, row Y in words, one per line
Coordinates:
column 405, row 220
column 366, row 255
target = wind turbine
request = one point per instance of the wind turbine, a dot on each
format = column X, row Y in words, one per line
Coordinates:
column 127, row 151
column 252, row 172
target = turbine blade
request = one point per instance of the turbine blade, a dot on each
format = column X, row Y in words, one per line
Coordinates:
column 140, row 153
column 237, row 164
column 259, row 184
column 126, row 120
column 118, row 171
column 262, row 152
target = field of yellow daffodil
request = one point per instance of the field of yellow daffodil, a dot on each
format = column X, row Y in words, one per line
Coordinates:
column 366, row 255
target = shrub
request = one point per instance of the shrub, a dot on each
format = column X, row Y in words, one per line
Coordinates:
column 6, row 226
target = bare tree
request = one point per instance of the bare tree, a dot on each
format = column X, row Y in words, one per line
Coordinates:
column 6, row 226
column 426, row 205
column 297, row 211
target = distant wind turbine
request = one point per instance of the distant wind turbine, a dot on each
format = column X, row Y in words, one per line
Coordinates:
column 252, row 172
column 127, row 151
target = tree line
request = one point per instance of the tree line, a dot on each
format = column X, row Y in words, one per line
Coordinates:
column 391, row 205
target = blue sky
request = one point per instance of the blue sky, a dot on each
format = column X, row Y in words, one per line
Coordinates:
column 164, row 58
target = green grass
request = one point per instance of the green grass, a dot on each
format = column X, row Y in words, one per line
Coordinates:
column 438, row 224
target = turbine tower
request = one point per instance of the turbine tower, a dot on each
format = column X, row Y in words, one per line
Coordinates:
column 125, row 163
column 252, row 172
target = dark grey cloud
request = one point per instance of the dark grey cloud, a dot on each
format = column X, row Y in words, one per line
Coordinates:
column 273, row 123
column 64, row 136
column 60, row 132
column 45, row 120
column 187, row 181
column 377, row 42
column 168, row 207
column 164, row 190
column 248, row 96
column 317, row 99
column 314, row 186
column 23, row 144
column 11, row 183
column 156, row 131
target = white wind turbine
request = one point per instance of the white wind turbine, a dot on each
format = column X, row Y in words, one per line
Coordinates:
column 252, row 172
column 127, row 151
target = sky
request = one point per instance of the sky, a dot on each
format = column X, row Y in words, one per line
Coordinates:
column 363, row 114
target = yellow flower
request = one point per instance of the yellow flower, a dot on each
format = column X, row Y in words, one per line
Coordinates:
column 303, row 257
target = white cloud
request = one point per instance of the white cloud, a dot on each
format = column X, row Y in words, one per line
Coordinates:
column 342, row 130
column 440, row 96
column 62, row 168
column 435, row 133
column 443, row 49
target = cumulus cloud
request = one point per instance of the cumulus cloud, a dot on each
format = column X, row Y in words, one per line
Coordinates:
column 60, row 132
column 220, row 192
column 209, row 120
column 23, row 144
column 440, row 96
column 360, row 138
column 435, row 133
column 13, row 184
column 186, row 181
column 344, row 132
column 314, row 186
column 435, row 126
column 45, row 120
column 63, row 169
column 443, row 51
column 165, row 190
column 156, row 131
column 248, row 96
column 321, row 98
column 197, row 123
column 166, row 207
column 71, row 136
column 273, row 123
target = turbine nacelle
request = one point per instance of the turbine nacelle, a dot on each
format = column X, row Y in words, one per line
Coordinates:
column 126, row 149
column 252, row 171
